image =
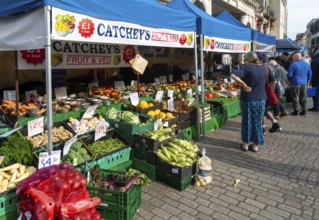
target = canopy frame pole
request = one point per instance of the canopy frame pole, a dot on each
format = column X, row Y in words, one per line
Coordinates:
column 48, row 76
column 196, row 89
column 202, row 75
column 17, row 89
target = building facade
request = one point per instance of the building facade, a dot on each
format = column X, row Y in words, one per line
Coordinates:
column 312, row 36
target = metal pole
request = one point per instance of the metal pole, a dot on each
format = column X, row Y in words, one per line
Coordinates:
column 48, row 73
column 202, row 74
column 196, row 88
column 17, row 88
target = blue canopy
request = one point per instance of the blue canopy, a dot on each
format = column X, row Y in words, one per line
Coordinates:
column 142, row 12
column 255, row 35
column 287, row 45
column 211, row 26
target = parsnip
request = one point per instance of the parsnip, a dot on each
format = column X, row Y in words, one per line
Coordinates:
column 5, row 184
column 5, row 175
column 11, row 185
column 22, row 169
column 14, row 176
column 8, row 168
column 25, row 175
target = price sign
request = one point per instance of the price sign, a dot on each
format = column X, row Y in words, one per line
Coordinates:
column 191, row 101
column 159, row 96
column 194, row 77
column 89, row 112
column 60, row 92
column 170, row 93
column 170, row 77
column 170, row 104
column 68, row 144
column 31, row 92
column 157, row 123
column 100, row 131
column 9, row 94
column 190, row 91
column 46, row 160
column 166, row 124
column 119, row 84
column 1, row 159
column 163, row 79
column 157, row 81
column 35, row 126
column 134, row 98
column 199, row 88
column 175, row 170
column 93, row 84
column 133, row 83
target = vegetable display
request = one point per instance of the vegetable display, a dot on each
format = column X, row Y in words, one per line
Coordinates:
column 61, row 195
column 12, row 175
column 77, row 154
column 126, row 117
column 108, row 145
column 160, row 134
column 178, row 153
column 16, row 150
column 58, row 134
column 86, row 125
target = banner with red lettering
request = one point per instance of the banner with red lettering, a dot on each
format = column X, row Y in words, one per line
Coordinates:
column 215, row 44
column 78, row 55
column 69, row 26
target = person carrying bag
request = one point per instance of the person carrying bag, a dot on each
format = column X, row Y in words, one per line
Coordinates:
column 271, row 95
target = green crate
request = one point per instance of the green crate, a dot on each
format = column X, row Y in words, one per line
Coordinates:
column 9, row 216
column 114, row 159
column 180, row 185
column 128, row 130
column 122, row 167
column 8, row 203
column 187, row 134
column 114, row 213
column 146, row 168
column 121, row 200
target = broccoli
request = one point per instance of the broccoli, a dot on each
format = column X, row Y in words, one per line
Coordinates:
column 74, row 161
column 80, row 160
column 72, row 154
column 86, row 157
column 82, row 151
column 76, row 145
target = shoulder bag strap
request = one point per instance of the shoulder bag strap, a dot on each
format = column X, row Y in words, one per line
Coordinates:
column 267, row 73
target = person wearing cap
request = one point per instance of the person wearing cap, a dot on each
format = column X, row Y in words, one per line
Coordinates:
column 315, row 81
column 252, row 79
column 299, row 76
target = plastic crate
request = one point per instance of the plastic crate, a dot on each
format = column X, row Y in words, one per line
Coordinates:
column 148, row 169
column 8, row 203
column 180, row 185
column 121, row 200
column 114, row 213
column 312, row 91
column 174, row 172
column 114, row 159
column 144, row 155
column 9, row 216
column 128, row 130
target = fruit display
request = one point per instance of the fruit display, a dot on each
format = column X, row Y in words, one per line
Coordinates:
column 179, row 152
column 77, row 154
column 12, row 175
column 58, row 134
column 86, row 125
column 9, row 107
column 157, row 113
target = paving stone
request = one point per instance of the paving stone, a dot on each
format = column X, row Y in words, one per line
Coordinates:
column 238, row 216
column 189, row 210
column 171, row 209
column 162, row 213
column 277, row 211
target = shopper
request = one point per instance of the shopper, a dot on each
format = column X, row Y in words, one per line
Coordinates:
column 281, row 78
column 263, row 59
column 315, row 81
column 252, row 78
column 299, row 75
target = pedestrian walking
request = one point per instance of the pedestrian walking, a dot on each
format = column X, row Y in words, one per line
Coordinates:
column 315, row 81
column 252, row 79
column 299, row 76
column 281, row 78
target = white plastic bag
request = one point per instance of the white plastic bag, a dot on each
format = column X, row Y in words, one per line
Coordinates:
column 204, row 170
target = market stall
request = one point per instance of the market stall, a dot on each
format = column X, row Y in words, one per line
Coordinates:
column 215, row 36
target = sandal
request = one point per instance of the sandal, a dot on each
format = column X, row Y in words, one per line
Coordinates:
column 243, row 148
column 253, row 148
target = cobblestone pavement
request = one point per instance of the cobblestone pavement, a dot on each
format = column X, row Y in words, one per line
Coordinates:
column 279, row 183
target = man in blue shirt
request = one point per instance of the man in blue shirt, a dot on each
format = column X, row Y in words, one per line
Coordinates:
column 315, row 81
column 299, row 76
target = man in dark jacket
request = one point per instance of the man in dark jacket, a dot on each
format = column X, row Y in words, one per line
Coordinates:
column 315, row 81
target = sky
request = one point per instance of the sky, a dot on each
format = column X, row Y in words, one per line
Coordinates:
column 300, row 13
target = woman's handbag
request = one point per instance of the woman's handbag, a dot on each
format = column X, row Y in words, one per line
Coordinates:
column 271, row 95
column 279, row 89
